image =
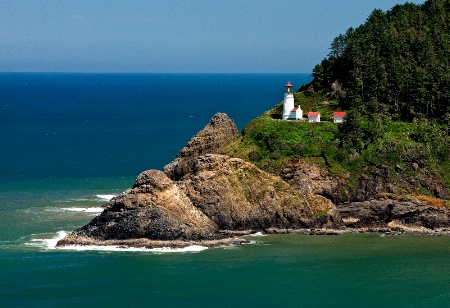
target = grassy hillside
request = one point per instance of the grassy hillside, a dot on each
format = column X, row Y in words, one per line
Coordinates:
column 347, row 150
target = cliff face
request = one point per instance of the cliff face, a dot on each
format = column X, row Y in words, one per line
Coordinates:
column 309, row 178
column 365, row 205
column 236, row 195
column 384, row 179
column 411, row 213
column 155, row 208
column 313, row 178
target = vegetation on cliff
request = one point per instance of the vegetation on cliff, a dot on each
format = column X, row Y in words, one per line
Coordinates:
column 392, row 77
column 395, row 65
column 207, row 199
column 350, row 151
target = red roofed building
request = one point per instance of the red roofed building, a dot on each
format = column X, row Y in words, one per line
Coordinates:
column 338, row 117
column 313, row 116
column 296, row 114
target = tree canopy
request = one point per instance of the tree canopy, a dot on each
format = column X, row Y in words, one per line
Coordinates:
column 396, row 65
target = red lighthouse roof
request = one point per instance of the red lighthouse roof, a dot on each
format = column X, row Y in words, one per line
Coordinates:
column 288, row 84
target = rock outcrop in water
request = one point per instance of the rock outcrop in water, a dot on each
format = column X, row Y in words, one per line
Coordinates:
column 154, row 208
column 209, row 198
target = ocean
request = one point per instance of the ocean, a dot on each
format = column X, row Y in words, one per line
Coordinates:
column 69, row 142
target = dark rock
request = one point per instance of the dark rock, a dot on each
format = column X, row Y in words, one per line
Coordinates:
column 155, row 208
column 379, row 180
column 380, row 213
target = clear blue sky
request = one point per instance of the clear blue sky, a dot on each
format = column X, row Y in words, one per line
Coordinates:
column 248, row 36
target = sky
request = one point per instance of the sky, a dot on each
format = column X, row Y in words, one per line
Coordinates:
column 174, row 36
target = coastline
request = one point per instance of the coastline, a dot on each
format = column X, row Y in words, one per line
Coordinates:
column 204, row 198
column 233, row 238
column 151, row 244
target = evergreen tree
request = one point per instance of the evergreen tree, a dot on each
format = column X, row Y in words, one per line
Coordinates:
column 397, row 62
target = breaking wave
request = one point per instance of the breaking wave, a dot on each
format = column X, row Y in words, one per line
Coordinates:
column 50, row 244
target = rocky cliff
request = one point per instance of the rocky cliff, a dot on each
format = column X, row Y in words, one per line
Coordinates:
column 381, row 197
column 407, row 212
column 236, row 195
column 207, row 199
column 154, row 208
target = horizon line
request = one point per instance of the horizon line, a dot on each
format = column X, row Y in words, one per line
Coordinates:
column 143, row 73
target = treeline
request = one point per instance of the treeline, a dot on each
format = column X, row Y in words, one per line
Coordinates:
column 396, row 65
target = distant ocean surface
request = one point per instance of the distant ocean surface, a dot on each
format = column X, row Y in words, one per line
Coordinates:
column 69, row 142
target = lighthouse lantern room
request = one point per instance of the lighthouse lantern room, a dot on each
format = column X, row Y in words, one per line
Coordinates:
column 290, row 112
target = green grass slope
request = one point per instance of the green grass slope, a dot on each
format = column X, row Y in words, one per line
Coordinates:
column 347, row 150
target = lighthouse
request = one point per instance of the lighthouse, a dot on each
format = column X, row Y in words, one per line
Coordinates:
column 290, row 112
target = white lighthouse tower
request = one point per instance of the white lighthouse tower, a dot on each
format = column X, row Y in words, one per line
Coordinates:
column 290, row 112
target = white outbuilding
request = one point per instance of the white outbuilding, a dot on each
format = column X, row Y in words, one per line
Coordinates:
column 313, row 116
column 290, row 112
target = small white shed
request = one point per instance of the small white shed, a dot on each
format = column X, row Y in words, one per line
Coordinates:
column 313, row 116
column 296, row 114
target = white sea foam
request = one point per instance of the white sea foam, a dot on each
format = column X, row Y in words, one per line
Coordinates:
column 92, row 198
column 105, row 197
column 131, row 249
column 193, row 248
column 83, row 209
column 257, row 234
column 101, row 248
column 50, row 243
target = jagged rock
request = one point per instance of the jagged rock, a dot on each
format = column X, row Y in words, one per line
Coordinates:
column 237, row 195
column 219, row 132
column 155, row 208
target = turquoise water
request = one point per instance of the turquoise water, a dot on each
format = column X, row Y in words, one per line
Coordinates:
column 70, row 141
column 288, row 270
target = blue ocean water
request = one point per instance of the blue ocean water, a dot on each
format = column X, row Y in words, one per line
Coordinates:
column 68, row 142
column 60, row 125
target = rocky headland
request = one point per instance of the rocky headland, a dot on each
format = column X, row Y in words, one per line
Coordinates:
column 206, row 198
